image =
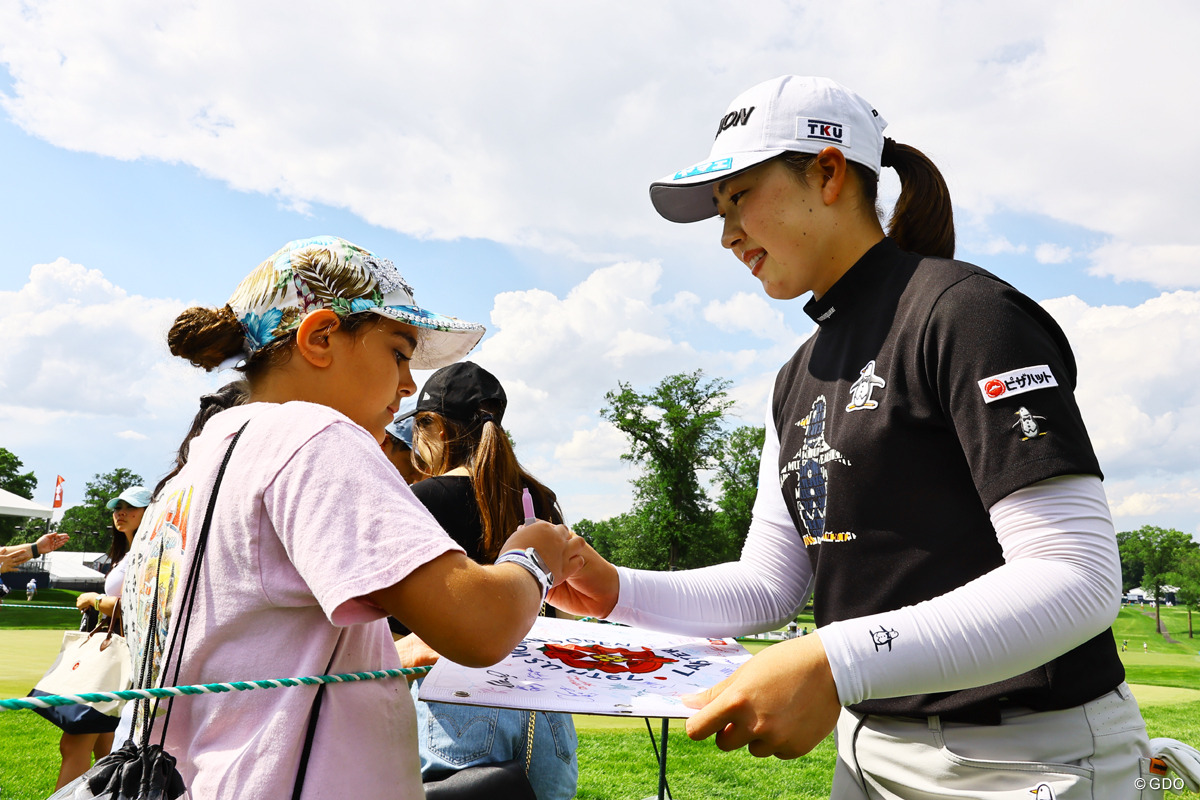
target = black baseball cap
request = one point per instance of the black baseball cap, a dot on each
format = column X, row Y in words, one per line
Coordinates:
column 458, row 391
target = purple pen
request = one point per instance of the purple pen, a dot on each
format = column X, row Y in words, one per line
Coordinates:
column 527, row 507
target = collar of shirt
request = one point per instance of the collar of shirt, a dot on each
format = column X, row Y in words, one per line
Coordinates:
column 852, row 287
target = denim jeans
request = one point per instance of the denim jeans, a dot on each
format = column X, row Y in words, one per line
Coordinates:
column 452, row 737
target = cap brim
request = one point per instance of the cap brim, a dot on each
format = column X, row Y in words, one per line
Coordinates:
column 686, row 195
column 443, row 340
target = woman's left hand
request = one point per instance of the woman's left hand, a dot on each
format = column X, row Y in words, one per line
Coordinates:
column 86, row 600
column 414, row 652
column 782, row 702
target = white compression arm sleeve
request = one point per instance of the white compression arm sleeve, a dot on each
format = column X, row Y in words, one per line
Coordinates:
column 1060, row 585
column 761, row 591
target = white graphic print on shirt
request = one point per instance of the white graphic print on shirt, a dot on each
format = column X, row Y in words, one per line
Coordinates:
column 812, row 477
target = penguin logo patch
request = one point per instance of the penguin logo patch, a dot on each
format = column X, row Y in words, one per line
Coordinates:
column 1042, row 791
column 882, row 637
column 860, row 390
column 1028, row 423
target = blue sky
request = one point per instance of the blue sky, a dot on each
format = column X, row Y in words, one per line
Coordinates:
column 151, row 158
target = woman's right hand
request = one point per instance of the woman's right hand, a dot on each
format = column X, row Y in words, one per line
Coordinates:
column 592, row 590
column 561, row 550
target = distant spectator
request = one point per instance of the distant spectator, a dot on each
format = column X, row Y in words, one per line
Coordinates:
column 31, row 590
column 397, row 446
column 127, row 509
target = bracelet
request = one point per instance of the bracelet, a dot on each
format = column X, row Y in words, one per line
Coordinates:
column 33, row 551
column 96, row 601
column 529, row 560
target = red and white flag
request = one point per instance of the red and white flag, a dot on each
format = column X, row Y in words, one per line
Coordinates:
column 58, row 492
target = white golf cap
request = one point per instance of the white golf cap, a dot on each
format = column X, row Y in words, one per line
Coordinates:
column 785, row 114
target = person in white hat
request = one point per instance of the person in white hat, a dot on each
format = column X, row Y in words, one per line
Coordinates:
column 78, row 746
column 964, row 569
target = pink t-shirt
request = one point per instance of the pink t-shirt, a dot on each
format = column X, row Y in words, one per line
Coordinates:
column 310, row 517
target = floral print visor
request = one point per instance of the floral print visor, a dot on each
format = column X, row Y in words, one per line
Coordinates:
column 328, row 272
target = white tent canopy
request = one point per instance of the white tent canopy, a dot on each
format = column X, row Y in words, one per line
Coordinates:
column 71, row 567
column 13, row 505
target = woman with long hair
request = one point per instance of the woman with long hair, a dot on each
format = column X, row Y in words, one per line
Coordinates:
column 474, row 492
column 127, row 509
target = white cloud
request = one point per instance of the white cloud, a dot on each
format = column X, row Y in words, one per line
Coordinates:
column 86, row 375
column 1166, row 502
column 996, row 245
column 1165, row 266
column 1049, row 253
column 418, row 118
column 750, row 313
column 1139, row 388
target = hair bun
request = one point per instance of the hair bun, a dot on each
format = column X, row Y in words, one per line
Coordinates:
column 206, row 336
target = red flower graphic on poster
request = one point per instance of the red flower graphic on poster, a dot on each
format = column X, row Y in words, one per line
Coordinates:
column 606, row 659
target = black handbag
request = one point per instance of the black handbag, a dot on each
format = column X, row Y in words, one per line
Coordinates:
column 504, row 780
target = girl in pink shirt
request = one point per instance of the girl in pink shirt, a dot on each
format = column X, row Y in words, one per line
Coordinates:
column 315, row 538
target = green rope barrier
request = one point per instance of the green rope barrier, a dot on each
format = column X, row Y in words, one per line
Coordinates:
column 12, row 604
column 48, row 701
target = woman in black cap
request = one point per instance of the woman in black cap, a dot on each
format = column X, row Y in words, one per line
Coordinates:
column 474, row 492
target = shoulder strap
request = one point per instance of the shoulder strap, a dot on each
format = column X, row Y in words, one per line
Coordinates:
column 312, row 725
column 188, row 600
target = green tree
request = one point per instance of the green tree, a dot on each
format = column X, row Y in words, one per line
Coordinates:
column 1132, row 567
column 88, row 523
column 675, row 433
column 1186, row 576
column 12, row 479
column 1160, row 551
column 622, row 539
column 737, row 471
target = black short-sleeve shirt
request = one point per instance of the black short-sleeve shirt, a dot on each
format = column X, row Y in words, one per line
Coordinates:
column 931, row 390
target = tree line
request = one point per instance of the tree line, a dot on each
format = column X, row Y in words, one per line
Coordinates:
column 692, row 500
column 1156, row 557
column 678, row 432
column 87, row 523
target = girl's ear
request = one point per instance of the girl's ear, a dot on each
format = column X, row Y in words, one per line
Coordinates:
column 832, row 165
column 312, row 337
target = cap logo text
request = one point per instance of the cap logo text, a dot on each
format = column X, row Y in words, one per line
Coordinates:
column 733, row 119
column 823, row 129
column 703, row 169
column 1018, row 381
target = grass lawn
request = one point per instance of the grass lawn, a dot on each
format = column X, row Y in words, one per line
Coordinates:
column 617, row 762
column 19, row 615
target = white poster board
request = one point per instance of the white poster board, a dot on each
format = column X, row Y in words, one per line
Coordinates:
column 591, row 668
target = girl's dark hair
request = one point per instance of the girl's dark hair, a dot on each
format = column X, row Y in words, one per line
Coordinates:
column 208, row 336
column 118, row 546
column 483, row 447
column 923, row 218
column 228, row 396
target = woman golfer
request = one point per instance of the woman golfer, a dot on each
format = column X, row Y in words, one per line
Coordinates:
column 926, row 477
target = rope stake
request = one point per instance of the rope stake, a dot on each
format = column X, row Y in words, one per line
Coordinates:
column 49, row 701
